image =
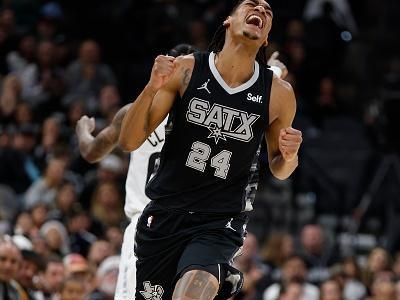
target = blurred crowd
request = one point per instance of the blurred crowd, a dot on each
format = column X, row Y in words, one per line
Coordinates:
column 331, row 232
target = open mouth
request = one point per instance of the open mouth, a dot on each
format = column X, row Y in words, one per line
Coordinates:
column 255, row 20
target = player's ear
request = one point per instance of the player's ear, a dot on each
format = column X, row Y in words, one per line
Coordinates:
column 227, row 22
column 265, row 42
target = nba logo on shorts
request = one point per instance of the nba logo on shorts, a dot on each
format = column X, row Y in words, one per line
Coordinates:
column 149, row 221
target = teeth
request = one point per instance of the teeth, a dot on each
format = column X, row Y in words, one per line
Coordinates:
column 258, row 18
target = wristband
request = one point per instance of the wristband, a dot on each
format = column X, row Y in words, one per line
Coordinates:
column 277, row 71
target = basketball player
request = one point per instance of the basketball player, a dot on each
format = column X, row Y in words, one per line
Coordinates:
column 221, row 104
column 141, row 166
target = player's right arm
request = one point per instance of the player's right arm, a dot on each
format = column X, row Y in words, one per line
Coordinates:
column 95, row 148
column 169, row 77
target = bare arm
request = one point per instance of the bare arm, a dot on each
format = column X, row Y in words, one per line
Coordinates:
column 169, row 77
column 283, row 141
column 93, row 149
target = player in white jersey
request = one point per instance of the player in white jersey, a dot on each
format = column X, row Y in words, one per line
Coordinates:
column 141, row 166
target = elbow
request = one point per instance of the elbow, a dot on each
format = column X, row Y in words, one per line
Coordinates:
column 283, row 173
column 91, row 158
column 280, row 176
column 131, row 141
column 87, row 154
column 127, row 145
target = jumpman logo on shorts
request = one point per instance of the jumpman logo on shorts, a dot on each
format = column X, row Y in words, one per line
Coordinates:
column 204, row 86
column 229, row 225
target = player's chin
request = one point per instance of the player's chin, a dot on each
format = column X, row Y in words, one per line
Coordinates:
column 252, row 35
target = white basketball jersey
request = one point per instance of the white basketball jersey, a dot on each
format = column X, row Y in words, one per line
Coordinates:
column 141, row 168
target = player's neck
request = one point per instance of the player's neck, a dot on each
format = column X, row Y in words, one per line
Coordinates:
column 235, row 63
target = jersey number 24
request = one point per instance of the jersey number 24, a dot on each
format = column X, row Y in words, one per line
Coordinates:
column 200, row 154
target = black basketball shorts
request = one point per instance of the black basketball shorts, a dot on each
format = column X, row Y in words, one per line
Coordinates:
column 168, row 242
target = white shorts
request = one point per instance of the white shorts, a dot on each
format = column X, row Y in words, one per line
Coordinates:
column 126, row 284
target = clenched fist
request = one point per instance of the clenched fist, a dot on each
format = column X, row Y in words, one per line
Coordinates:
column 290, row 140
column 163, row 69
column 85, row 125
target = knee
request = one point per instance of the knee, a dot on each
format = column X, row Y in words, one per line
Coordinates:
column 196, row 284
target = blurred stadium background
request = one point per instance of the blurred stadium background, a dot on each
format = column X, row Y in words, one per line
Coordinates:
column 340, row 211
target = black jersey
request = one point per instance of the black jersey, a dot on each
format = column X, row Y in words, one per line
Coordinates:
column 208, row 160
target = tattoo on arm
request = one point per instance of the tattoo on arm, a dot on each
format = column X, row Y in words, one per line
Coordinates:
column 103, row 144
column 185, row 79
column 119, row 117
column 107, row 139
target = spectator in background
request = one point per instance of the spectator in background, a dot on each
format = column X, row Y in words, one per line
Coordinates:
column 87, row 75
column 9, row 207
column 107, row 204
column 56, row 237
column 10, row 260
column 325, row 105
column 32, row 264
column 38, row 212
column 317, row 253
column 115, row 236
column 109, row 170
column 331, row 290
column 9, row 98
column 51, row 279
column 109, row 101
column 5, row 137
column 106, row 279
column 50, row 139
column 18, row 168
column 349, row 275
column 23, row 114
column 77, row 266
column 45, row 189
column 294, row 48
column 23, row 224
column 378, row 261
column 19, row 59
column 67, row 196
column 98, row 251
column 276, row 250
column 47, row 26
column 78, row 224
column 26, row 13
column 39, row 245
column 75, row 111
column 293, row 269
column 72, row 289
column 382, row 288
column 43, row 82
column 8, row 37
column 291, row 291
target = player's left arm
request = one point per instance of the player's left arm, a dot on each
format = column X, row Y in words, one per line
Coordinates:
column 283, row 141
